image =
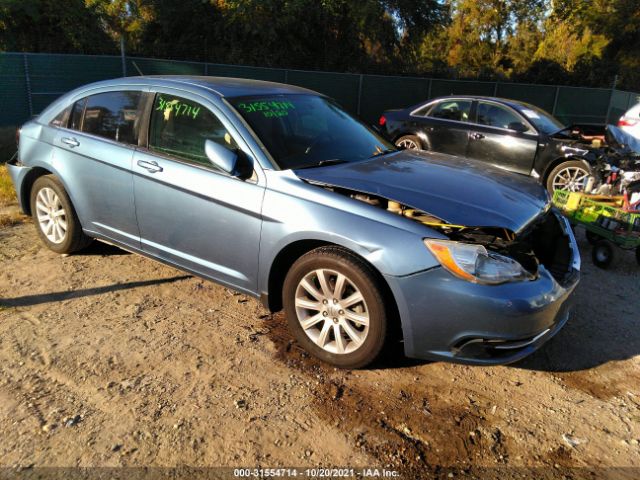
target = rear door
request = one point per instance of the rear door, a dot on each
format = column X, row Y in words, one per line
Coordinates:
column 189, row 212
column 93, row 153
column 444, row 126
column 502, row 137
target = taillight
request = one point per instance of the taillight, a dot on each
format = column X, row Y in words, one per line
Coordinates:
column 625, row 122
column 17, row 137
column 382, row 121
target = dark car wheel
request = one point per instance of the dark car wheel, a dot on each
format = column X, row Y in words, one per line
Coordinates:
column 56, row 221
column 638, row 255
column 335, row 308
column 602, row 254
column 409, row 142
column 571, row 176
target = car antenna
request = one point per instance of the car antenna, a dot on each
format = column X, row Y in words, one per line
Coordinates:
column 138, row 69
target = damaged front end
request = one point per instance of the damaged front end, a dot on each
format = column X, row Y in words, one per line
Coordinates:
column 489, row 254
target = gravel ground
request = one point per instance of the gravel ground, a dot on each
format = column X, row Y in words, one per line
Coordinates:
column 110, row 359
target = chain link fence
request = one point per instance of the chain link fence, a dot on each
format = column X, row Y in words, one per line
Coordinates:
column 30, row 81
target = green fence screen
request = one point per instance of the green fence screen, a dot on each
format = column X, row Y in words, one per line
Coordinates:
column 30, row 81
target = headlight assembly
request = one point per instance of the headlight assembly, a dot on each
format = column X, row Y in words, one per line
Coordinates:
column 475, row 263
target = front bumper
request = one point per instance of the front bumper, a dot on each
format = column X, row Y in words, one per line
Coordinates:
column 444, row 317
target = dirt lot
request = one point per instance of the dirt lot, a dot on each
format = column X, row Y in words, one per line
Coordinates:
column 110, row 359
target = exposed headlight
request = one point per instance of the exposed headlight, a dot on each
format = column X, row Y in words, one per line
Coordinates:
column 475, row 263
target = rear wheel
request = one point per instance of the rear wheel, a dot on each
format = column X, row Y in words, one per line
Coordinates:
column 409, row 142
column 335, row 308
column 602, row 254
column 571, row 176
column 56, row 221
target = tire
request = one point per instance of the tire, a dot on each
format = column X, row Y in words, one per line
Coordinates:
column 592, row 238
column 409, row 142
column 64, row 233
column 602, row 254
column 638, row 255
column 564, row 173
column 331, row 334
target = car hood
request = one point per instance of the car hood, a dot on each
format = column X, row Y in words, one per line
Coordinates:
column 457, row 190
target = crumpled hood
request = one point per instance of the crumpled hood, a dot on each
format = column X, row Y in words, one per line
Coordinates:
column 457, row 190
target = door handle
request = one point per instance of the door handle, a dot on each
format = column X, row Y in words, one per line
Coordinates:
column 151, row 167
column 71, row 141
column 476, row 136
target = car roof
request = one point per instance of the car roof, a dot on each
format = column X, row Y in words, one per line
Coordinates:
column 222, row 86
column 505, row 101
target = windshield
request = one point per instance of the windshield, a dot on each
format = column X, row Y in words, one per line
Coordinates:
column 303, row 131
column 542, row 120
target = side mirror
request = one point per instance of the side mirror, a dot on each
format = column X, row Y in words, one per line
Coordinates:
column 233, row 163
column 518, row 127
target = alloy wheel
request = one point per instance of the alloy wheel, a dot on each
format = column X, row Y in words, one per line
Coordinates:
column 407, row 144
column 572, row 179
column 332, row 311
column 52, row 217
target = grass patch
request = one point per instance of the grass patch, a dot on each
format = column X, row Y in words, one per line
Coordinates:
column 7, row 193
column 7, row 143
column 11, row 219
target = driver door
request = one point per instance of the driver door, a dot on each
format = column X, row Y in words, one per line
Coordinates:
column 189, row 212
column 502, row 138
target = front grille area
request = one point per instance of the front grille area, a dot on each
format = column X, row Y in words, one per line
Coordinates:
column 551, row 246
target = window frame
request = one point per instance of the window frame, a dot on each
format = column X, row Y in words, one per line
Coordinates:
column 530, row 128
column 83, row 97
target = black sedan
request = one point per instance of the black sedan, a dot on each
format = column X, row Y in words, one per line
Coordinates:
column 509, row 134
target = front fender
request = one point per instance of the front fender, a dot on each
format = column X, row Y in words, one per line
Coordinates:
column 392, row 244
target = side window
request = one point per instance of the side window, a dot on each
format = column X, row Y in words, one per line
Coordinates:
column 496, row 116
column 114, row 115
column 180, row 127
column 422, row 112
column 75, row 119
column 62, row 118
column 452, row 110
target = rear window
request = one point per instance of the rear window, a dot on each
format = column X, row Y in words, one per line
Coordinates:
column 114, row 115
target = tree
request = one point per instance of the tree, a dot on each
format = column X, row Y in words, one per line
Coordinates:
column 51, row 26
column 122, row 18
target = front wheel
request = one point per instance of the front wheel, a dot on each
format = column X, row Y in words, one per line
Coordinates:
column 571, row 176
column 335, row 308
column 56, row 221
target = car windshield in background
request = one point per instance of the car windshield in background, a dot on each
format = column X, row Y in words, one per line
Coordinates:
column 302, row 131
column 541, row 119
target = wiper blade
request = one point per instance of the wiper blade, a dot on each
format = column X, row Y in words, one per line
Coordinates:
column 322, row 163
column 384, row 152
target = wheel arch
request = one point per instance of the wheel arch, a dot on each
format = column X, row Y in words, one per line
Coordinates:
column 405, row 133
column 288, row 255
column 27, row 185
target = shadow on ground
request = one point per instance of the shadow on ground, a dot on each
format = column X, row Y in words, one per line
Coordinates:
column 30, row 300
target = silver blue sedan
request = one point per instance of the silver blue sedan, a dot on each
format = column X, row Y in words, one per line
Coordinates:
column 277, row 192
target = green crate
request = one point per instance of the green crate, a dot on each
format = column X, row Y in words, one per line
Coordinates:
column 601, row 215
